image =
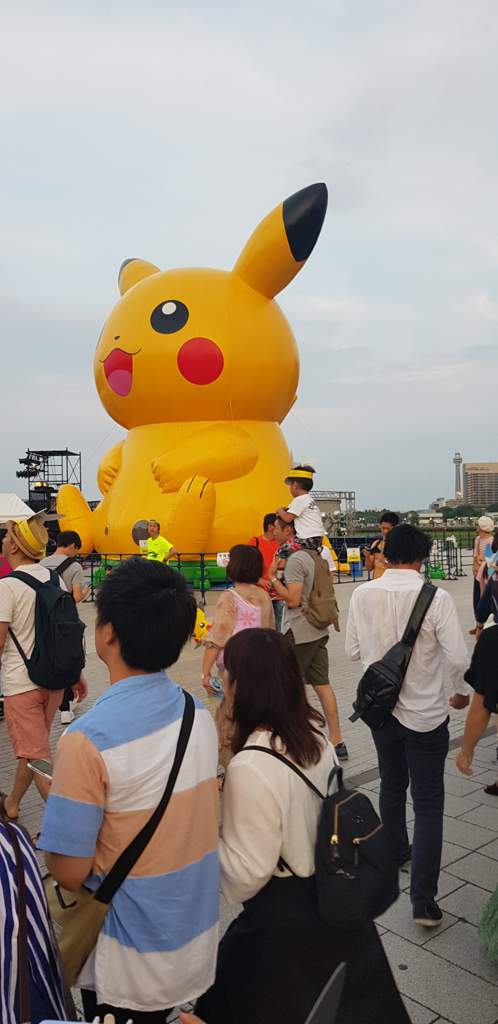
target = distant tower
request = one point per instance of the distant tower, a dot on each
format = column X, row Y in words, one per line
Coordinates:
column 457, row 462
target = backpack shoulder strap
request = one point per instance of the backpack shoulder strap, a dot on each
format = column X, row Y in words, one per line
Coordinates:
column 26, row 578
column 418, row 613
column 280, row 757
column 60, row 569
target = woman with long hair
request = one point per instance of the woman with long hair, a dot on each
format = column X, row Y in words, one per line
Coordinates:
column 278, row 954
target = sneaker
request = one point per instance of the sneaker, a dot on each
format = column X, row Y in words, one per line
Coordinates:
column 341, row 751
column 67, row 717
column 428, row 914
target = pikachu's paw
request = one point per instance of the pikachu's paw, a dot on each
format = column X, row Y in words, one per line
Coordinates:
column 164, row 476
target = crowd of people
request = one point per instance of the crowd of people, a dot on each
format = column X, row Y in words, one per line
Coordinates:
column 158, row 945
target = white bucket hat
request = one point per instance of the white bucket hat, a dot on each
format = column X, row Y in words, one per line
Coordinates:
column 486, row 524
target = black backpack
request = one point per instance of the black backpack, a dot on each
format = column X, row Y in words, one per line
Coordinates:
column 356, row 877
column 58, row 655
column 379, row 687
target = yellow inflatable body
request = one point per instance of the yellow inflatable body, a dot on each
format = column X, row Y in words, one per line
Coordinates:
column 201, row 367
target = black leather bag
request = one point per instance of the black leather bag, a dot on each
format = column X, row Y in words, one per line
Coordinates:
column 356, row 878
column 379, row 687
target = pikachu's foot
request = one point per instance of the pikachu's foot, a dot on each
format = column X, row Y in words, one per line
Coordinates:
column 190, row 524
column 75, row 514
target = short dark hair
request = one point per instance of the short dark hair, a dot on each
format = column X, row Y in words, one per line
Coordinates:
column 269, row 520
column 270, row 692
column 282, row 523
column 245, row 564
column 307, row 485
column 68, row 537
column 151, row 609
column 406, row 544
column 149, row 521
column 389, row 517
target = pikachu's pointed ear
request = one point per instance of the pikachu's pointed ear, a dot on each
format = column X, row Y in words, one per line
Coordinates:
column 132, row 271
column 281, row 244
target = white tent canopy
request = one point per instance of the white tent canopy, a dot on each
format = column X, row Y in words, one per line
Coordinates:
column 11, row 507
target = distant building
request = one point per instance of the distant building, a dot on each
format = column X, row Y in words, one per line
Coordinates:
column 430, row 518
column 480, row 483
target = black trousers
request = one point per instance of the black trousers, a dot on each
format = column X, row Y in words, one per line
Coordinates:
column 93, row 1009
column 415, row 758
column 278, row 955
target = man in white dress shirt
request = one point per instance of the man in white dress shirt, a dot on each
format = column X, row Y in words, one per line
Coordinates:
column 413, row 744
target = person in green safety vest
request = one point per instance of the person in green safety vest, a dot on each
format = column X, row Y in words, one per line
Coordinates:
column 158, row 548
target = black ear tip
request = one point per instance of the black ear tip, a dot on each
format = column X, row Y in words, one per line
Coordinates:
column 125, row 263
column 304, row 214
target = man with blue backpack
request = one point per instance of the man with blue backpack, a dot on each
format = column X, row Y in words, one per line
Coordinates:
column 41, row 652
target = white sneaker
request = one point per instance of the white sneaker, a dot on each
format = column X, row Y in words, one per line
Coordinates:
column 67, row 717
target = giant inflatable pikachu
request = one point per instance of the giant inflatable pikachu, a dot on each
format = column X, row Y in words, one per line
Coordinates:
column 200, row 366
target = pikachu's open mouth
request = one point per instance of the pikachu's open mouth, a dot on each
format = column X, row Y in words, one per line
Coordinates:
column 118, row 368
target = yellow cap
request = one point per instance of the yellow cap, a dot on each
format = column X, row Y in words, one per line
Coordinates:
column 299, row 474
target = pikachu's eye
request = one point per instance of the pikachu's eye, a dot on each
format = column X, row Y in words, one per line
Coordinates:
column 169, row 316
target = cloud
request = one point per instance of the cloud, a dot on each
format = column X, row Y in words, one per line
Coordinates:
column 168, row 131
column 482, row 305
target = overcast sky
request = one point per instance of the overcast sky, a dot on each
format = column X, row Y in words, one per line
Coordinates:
column 169, row 129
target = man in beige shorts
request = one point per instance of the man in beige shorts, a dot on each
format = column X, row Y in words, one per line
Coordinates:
column 29, row 709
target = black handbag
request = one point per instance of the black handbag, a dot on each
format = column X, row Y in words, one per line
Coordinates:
column 379, row 687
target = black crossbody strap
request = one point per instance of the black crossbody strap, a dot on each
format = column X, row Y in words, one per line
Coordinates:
column 419, row 611
column 129, row 857
column 280, row 757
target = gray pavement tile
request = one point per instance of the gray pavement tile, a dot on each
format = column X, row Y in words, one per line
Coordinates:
column 464, row 834
column 450, row 853
column 399, row 919
column 486, row 799
column 446, row 883
column 450, row 767
column 476, row 869
column 485, row 778
column 439, row 985
column 460, row 946
column 456, row 805
column 466, row 902
column 419, row 1014
column 485, row 816
column 460, row 786
column 491, row 850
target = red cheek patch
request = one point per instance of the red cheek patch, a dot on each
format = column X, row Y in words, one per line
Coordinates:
column 200, row 361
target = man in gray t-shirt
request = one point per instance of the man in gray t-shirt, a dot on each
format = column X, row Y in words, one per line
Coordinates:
column 310, row 643
column 68, row 547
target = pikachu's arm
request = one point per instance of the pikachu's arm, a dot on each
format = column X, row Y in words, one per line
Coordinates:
column 222, row 451
column 109, row 468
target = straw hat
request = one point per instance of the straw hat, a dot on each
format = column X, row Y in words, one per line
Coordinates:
column 30, row 536
column 486, row 524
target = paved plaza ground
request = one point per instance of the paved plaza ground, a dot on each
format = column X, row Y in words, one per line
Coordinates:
column 442, row 973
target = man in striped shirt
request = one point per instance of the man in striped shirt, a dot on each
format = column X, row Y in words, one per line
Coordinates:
column 158, row 944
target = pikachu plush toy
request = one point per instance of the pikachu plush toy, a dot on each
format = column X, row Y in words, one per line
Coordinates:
column 200, row 366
